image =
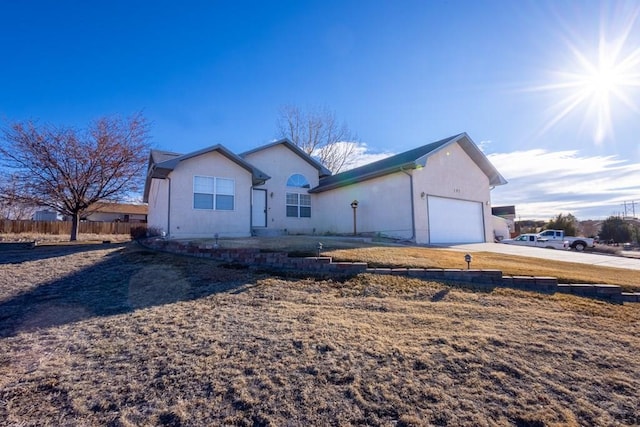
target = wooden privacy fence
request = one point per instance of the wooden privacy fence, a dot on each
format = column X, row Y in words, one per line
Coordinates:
column 64, row 227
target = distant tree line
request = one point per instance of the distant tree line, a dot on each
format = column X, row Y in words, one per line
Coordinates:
column 613, row 229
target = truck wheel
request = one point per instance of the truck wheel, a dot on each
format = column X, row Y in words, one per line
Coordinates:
column 579, row 246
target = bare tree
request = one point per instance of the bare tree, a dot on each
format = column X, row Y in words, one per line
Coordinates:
column 69, row 170
column 319, row 134
column 10, row 207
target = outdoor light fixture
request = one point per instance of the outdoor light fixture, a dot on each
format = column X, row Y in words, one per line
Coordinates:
column 354, row 206
column 422, row 195
column 271, row 194
column 468, row 259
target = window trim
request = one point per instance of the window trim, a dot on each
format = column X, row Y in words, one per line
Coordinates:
column 214, row 194
column 298, row 205
column 306, row 184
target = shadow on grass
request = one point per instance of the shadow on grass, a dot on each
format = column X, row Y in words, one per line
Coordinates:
column 51, row 251
column 121, row 282
column 440, row 295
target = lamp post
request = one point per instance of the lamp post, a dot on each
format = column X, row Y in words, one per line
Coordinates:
column 354, row 206
column 468, row 259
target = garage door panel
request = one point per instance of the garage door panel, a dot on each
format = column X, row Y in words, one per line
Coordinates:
column 455, row 221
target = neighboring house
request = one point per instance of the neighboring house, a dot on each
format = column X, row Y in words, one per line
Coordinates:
column 437, row 193
column 46, row 215
column 116, row 212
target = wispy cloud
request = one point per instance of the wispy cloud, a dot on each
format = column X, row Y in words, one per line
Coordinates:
column 543, row 183
column 361, row 154
column 364, row 156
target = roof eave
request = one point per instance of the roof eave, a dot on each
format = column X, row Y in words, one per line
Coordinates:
column 375, row 174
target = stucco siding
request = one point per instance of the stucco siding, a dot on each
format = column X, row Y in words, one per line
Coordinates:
column 280, row 163
column 157, row 216
column 450, row 173
column 384, row 207
column 187, row 222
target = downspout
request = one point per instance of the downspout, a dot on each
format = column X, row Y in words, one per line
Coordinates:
column 251, row 201
column 413, row 213
column 169, row 210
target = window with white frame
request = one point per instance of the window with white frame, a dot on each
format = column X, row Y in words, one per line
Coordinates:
column 298, row 205
column 214, row 193
column 298, row 180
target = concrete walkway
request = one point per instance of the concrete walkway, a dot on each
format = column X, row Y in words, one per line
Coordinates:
column 552, row 254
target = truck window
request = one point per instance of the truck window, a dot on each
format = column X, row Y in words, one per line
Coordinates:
column 531, row 239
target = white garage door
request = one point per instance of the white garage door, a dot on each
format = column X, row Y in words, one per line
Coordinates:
column 455, row 221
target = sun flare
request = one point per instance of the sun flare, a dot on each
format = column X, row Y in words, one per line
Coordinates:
column 597, row 84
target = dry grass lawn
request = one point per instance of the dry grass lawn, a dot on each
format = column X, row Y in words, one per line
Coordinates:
column 62, row 238
column 420, row 257
column 120, row 336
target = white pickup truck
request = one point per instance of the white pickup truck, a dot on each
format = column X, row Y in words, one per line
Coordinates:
column 536, row 241
column 577, row 243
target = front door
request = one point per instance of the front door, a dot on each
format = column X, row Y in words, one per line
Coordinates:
column 259, row 208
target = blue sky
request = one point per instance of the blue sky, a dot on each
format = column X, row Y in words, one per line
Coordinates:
column 514, row 75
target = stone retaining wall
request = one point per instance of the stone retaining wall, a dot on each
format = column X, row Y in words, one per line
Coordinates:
column 324, row 266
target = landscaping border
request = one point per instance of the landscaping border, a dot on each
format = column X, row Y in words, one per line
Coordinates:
column 325, row 266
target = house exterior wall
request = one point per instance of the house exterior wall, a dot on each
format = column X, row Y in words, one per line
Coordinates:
column 279, row 162
column 183, row 220
column 384, row 203
column 113, row 216
column 45, row 215
column 383, row 207
column 158, row 205
column 450, row 173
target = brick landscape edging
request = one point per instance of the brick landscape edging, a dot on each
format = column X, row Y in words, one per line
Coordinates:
column 324, row 266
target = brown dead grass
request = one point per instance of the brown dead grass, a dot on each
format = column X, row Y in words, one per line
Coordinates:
column 419, row 257
column 126, row 337
column 61, row 238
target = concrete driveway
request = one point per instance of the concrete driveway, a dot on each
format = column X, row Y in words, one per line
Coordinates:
column 552, row 254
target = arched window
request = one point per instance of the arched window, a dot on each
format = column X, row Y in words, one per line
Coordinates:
column 297, row 180
column 298, row 203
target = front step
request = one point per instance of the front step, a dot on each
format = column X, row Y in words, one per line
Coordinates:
column 267, row 232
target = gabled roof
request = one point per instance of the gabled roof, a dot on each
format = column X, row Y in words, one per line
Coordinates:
column 411, row 159
column 123, row 208
column 322, row 171
column 162, row 163
column 159, row 156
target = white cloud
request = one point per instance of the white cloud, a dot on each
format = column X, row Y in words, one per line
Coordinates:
column 361, row 155
column 543, row 184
